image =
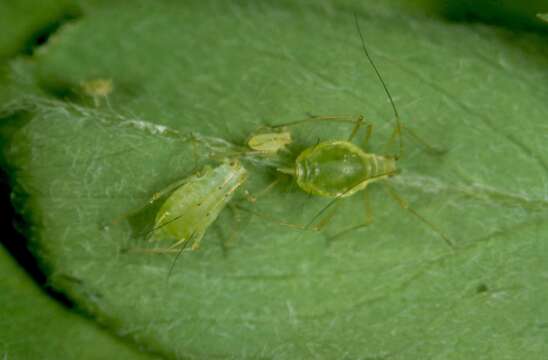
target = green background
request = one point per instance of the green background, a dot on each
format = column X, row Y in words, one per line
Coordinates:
column 390, row 290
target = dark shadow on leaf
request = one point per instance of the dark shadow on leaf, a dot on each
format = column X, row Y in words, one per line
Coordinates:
column 17, row 227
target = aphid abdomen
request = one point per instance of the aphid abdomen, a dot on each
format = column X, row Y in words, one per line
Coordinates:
column 339, row 169
column 194, row 206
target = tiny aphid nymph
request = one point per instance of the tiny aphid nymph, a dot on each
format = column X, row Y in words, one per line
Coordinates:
column 97, row 89
column 269, row 143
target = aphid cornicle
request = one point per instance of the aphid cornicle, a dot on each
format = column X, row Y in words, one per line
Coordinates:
column 195, row 203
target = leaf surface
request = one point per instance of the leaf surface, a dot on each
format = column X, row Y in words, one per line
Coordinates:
column 392, row 289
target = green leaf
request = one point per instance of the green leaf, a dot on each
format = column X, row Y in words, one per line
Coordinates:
column 392, row 289
column 26, row 23
column 35, row 327
column 507, row 13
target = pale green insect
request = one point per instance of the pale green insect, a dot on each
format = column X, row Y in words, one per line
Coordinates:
column 543, row 16
column 194, row 203
column 337, row 168
column 269, row 143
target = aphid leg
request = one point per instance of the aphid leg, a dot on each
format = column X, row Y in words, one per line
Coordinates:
column 268, row 188
column 194, row 153
column 430, row 148
column 216, row 148
column 356, row 128
column 368, row 218
column 226, row 244
column 327, row 219
column 368, row 132
column 180, row 251
column 336, row 118
column 272, row 220
column 252, row 198
column 405, row 205
column 185, row 241
column 395, row 134
column 176, row 248
column 358, row 121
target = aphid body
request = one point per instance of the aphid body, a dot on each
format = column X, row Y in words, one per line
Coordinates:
column 196, row 202
column 339, row 169
column 97, row 88
column 269, row 143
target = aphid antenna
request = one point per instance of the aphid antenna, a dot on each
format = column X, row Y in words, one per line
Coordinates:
column 397, row 130
column 404, row 205
column 148, row 233
column 185, row 244
column 314, row 118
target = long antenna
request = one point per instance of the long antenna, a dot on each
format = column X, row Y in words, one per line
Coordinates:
column 397, row 116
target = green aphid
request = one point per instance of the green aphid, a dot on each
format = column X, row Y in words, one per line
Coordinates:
column 338, row 168
column 269, row 143
column 194, row 203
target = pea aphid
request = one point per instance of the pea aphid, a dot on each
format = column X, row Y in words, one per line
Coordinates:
column 192, row 204
column 338, row 168
column 269, row 143
column 97, row 89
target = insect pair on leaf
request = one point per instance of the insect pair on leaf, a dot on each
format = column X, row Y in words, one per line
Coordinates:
column 332, row 169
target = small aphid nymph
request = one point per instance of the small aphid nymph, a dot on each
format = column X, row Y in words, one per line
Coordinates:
column 97, row 89
column 269, row 143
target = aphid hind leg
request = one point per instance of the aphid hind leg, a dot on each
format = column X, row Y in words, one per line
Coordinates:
column 253, row 197
column 368, row 133
column 429, row 148
column 405, row 205
column 396, row 133
column 272, row 220
column 357, row 121
column 216, row 148
column 368, row 218
column 327, row 218
column 356, row 127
